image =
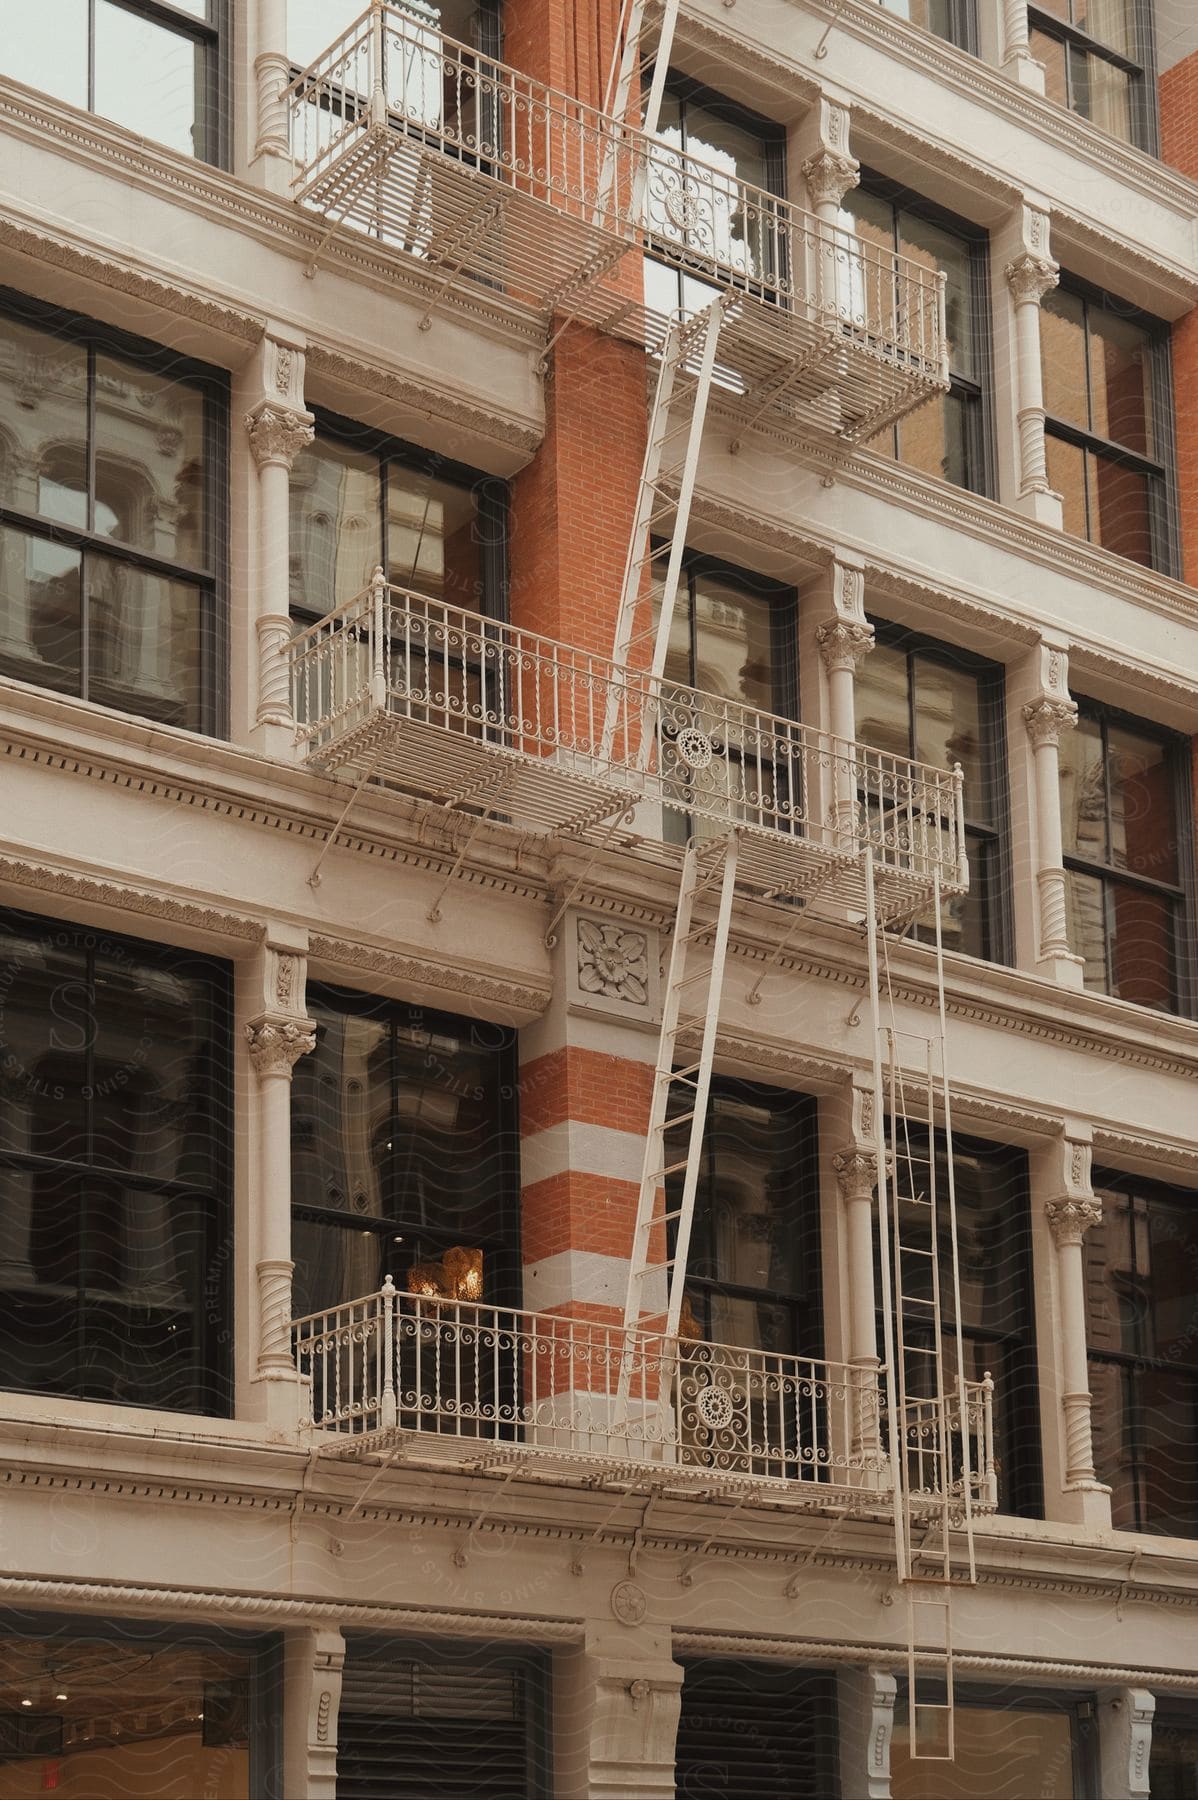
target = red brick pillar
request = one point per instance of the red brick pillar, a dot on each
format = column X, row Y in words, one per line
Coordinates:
column 572, row 507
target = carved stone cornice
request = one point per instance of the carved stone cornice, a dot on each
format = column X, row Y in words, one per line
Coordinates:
column 1031, row 277
column 844, row 644
column 276, row 1045
column 1070, row 1217
column 830, row 176
column 126, row 898
column 515, row 999
column 1046, row 719
column 278, row 434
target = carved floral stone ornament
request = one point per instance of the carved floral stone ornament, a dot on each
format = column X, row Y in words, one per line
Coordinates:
column 277, row 435
column 276, row 1045
column 629, row 1603
column 844, row 643
column 829, row 176
column 613, row 962
column 1030, row 278
column 1046, row 719
column 1070, row 1218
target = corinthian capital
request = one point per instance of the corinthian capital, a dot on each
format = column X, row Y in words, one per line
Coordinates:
column 277, row 434
column 856, row 1174
column 829, row 176
column 276, row 1045
column 1031, row 277
column 1070, row 1217
column 1046, row 719
column 843, row 643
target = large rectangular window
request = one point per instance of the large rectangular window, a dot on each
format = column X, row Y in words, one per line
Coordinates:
column 1010, row 1744
column 1098, row 61
column 114, row 1168
column 125, row 1707
column 404, row 1146
column 154, row 66
column 997, row 1324
column 1124, row 813
column 1142, row 1333
column 928, row 700
column 948, row 436
column 761, row 1729
column 112, row 510
column 1109, row 422
column 359, row 499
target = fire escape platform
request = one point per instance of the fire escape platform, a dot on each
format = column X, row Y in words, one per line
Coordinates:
column 481, row 178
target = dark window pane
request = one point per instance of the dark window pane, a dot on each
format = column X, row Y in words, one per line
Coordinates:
column 1112, row 22
column 1141, row 946
column 336, row 1093
column 1067, row 477
column 948, row 729
column 1143, row 805
column 1086, row 910
column 748, row 1228
column 40, row 611
column 43, row 403
column 433, row 542
column 1063, row 350
column 733, row 644
column 1120, row 376
column 1083, row 791
column 1118, row 1278
column 146, row 77
column 144, row 643
column 149, row 461
column 939, row 439
column 1173, row 1765
column 45, row 46
column 47, row 1030
column 1005, row 1753
column 882, row 697
column 934, row 249
column 336, row 1263
column 336, row 526
column 1121, row 509
column 1101, row 92
column 1052, row 53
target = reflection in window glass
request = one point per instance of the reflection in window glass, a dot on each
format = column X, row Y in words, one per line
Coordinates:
column 114, row 448
column 1095, row 63
column 113, row 1169
column 1002, row 1753
column 143, row 71
column 1121, row 837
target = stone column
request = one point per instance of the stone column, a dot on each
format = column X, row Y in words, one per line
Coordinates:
column 865, row 1709
column 1071, row 1213
column 832, row 620
column 1046, row 716
column 276, row 1038
column 271, row 165
column 1017, row 59
column 279, row 428
column 857, row 1177
column 312, row 1666
column 1030, row 275
column 616, row 1706
column 1125, row 1718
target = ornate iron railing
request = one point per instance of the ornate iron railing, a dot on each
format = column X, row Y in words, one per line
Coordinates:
column 470, row 1376
column 381, row 121
column 393, row 662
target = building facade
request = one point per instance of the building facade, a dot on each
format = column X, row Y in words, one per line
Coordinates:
column 670, row 1288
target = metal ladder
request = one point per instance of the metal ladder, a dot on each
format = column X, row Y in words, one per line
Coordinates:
column 678, row 414
column 692, row 1001
column 628, row 66
column 928, row 1416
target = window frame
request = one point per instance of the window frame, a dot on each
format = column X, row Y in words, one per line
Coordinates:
column 1015, row 1697
column 1135, row 1363
column 503, row 1266
column 800, row 1113
column 212, row 579
column 1019, row 1442
column 1182, row 897
column 963, row 33
column 214, row 1320
column 991, row 679
column 1161, row 469
column 492, row 495
column 1145, row 111
column 976, row 238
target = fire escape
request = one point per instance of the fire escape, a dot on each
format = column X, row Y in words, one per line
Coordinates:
column 477, row 176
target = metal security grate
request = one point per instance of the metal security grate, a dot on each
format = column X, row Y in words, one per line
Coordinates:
column 756, row 1731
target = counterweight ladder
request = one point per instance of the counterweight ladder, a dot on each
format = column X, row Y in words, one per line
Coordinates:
column 657, row 1269
column 927, row 1410
column 677, row 416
